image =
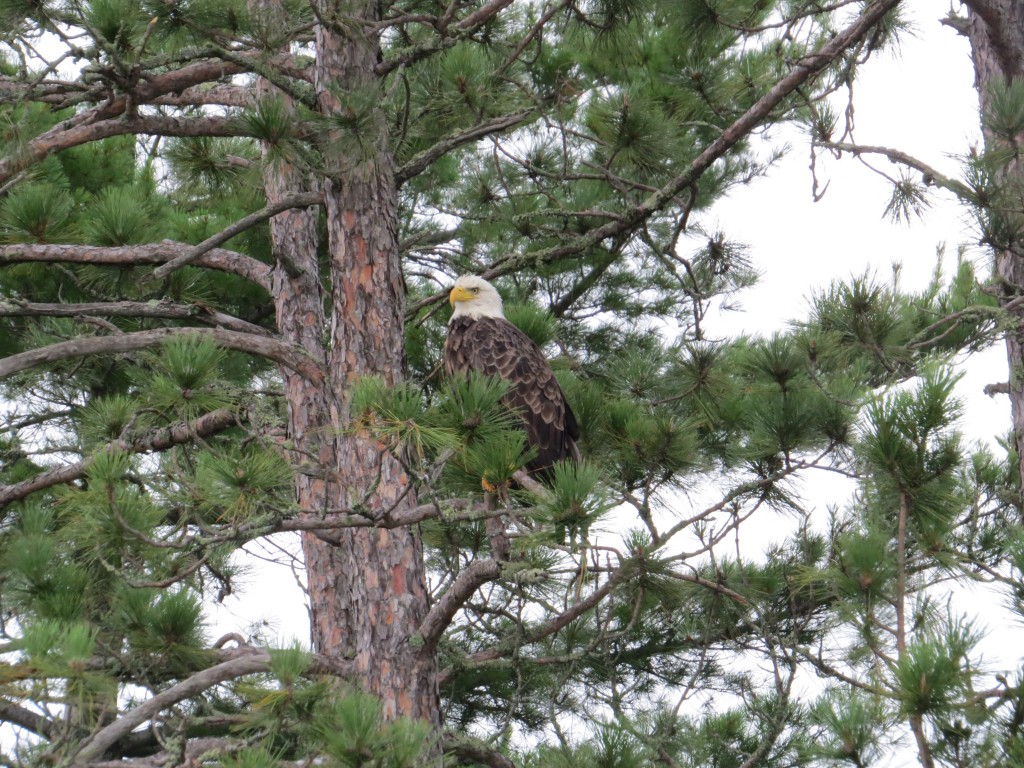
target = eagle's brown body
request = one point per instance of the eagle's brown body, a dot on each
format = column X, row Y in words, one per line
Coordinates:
column 494, row 347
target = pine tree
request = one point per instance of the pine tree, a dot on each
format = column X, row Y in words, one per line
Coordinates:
column 226, row 233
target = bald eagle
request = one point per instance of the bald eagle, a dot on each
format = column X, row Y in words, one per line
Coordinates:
column 481, row 339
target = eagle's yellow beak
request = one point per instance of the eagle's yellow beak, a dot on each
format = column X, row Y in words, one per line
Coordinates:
column 459, row 294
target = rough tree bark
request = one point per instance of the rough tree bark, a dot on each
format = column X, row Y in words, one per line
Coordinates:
column 367, row 587
column 995, row 29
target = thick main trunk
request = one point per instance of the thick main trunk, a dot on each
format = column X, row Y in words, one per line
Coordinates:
column 996, row 31
column 368, row 587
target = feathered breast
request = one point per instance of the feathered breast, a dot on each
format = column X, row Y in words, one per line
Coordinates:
column 494, row 347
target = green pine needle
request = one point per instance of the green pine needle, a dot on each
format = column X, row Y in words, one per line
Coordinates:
column 575, row 499
column 497, row 458
column 1005, row 115
column 107, row 418
column 351, row 730
column 183, row 379
column 270, row 121
column 121, row 23
column 240, row 483
column 536, row 323
column 119, row 216
column 289, row 664
column 854, row 726
column 933, row 675
column 37, row 213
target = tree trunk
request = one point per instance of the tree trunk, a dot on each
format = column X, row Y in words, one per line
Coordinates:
column 996, row 31
column 367, row 588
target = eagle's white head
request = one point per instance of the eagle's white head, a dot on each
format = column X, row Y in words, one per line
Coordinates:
column 473, row 296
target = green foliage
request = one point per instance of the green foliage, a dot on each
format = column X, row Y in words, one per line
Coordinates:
column 258, row 757
column 575, row 501
column 101, row 165
column 36, row 213
column 288, row 665
column 205, row 162
column 473, row 409
column 352, row 732
column 636, row 133
column 269, row 120
column 106, row 419
column 119, row 216
column 934, row 674
column 241, row 483
column 183, row 379
column 495, row 460
column 399, row 415
column 162, row 627
column 1004, row 118
column 864, row 562
column 909, row 200
column 852, row 727
column 533, row 321
column 119, row 23
column 913, row 451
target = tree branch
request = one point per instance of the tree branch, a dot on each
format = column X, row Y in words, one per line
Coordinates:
column 15, row 714
column 279, row 351
column 159, row 440
column 548, row 628
column 931, row 175
column 469, row 580
column 422, row 161
column 220, row 95
column 300, row 200
column 252, row 662
column 163, row 309
column 189, row 755
column 482, row 15
column 74, row 132
column 137, row 255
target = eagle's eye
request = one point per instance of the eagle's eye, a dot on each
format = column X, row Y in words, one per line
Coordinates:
column 475, row 290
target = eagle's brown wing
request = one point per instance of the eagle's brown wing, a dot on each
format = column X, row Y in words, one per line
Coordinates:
column 495, row 347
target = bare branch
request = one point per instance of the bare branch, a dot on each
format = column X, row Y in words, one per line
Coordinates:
column 300, row 200
column 252, row 662
column 548, row 628
column 74, row 132
column 931, row 176
column 280, row 352
column 137, row 255
column 25, row 718
column 423, row 160
column 482, row 15
column 469, row 580
column 221, row 95
column 162, row 309
column 450, row 509
column 190, row 754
